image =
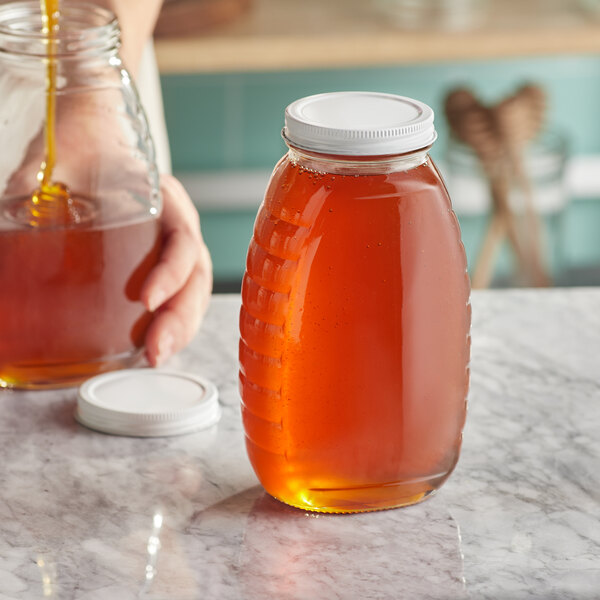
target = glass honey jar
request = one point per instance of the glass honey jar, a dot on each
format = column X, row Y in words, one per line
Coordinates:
column 79, row 198
column 355, row 319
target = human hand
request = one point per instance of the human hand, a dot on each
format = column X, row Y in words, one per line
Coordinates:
column 100, row 162
column 96, row 150
column 178, row 288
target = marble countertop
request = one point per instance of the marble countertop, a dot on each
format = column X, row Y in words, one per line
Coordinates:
column 91, row 516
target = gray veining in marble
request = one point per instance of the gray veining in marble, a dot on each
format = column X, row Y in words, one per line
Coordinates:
column 89, row 516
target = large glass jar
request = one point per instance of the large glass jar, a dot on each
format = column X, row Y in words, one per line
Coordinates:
column 79, row 198
column 355, row 312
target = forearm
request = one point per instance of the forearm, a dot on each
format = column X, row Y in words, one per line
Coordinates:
column 137, row 19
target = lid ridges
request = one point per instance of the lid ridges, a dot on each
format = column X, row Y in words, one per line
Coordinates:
column 359, row 123
column 139, row 402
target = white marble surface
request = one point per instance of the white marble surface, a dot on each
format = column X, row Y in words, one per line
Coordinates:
column 90, row 516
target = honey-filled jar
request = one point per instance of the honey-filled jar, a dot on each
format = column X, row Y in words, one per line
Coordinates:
column 79, row 197
column 355, row 314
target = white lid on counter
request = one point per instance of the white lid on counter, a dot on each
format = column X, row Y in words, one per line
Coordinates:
column 147, row 403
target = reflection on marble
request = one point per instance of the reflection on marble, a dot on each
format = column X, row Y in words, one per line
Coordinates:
column 89, row 516
column 362, row 556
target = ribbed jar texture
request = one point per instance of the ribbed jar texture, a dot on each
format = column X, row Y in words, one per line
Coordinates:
column 355, row 341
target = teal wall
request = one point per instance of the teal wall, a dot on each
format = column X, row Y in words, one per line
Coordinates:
column 227, row 235
column 233, row 121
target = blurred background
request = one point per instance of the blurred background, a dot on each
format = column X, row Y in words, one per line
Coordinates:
column 230, row 67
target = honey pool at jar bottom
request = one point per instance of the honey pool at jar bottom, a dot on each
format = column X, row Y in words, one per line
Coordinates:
column 69, row 306
column 354, row 339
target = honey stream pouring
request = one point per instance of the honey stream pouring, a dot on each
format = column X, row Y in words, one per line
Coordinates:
column 498, row 135
column 50, row 200
column 51, row 203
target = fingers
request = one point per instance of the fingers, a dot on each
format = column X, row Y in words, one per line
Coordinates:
column 177, row 321
column 178, row 209
column 177, row 261
column 179, row 286
column 182, row 245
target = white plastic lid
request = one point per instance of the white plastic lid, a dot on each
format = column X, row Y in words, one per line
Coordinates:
column 359, row 124
column 147, row 403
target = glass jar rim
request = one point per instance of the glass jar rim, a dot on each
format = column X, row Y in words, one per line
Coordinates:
column 352, row 158
column 84, row 27
column 346, row 164
column 547, row 152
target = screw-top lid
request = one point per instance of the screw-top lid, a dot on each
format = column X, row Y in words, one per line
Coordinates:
column 147, row 403
column 359, row 124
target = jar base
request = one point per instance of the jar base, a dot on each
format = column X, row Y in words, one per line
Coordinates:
column 46, row 376
column 364, row 499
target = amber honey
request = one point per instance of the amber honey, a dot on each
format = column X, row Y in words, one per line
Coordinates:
column 51, row 202
column 72, row 264
column 70, row 305
column 354, row 338
column 50, row 24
